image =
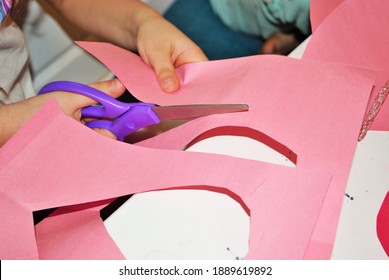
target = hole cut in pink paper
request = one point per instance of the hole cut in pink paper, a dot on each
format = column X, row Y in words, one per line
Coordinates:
column 163, row 230
column 72, row 224
column 220, row 190
column 253, row 134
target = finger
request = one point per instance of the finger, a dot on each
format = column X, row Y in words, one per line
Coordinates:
column 193, row 54
column 105, row 132
column 165, row 72
column 164, row 66
column 74, row 104
column 167, row 78
column 111, row 87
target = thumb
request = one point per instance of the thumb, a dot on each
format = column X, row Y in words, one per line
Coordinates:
column 164, row 70
column 167, row 78
column 164, row 67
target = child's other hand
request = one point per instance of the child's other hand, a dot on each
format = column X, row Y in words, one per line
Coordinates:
column 280, row 43
column 164, row 47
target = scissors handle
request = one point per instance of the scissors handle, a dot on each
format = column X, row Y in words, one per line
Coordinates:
column 111, row 108
column 136, row 117
column 120, row 118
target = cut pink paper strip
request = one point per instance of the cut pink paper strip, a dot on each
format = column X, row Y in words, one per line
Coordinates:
column 77, row 165
column 353, row 34
column 313, row 108
column 383, row 224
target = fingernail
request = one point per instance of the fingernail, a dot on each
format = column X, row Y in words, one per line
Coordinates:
column 169, row 85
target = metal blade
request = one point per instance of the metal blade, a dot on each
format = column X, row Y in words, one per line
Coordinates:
column 188, row 112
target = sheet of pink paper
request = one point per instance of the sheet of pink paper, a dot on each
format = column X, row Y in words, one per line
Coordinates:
column 320, row 9
column 313, row 108
column 383, row 224
column 59, row 235
column 76, row 232
column 77, row 165
column 354, row 34
column 15, row 216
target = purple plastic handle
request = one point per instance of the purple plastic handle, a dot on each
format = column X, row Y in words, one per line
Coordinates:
column 126, row 117
column 112, row 108
column 136, row 117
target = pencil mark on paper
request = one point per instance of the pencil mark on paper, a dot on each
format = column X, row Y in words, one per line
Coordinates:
column 236, row 257
column 349, row 196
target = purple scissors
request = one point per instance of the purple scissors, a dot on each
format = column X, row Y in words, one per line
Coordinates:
column 123, row 119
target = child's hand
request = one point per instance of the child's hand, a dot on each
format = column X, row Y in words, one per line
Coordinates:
column 280, row 43
column 134, row 25
column 14, row 116
column 72, row 104
column 164, row 47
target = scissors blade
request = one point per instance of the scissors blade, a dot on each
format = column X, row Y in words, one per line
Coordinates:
column 189, row 112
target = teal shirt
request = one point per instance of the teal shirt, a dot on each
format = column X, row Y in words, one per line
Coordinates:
column 264, row 17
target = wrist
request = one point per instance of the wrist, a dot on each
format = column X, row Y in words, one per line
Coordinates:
column 142, row 17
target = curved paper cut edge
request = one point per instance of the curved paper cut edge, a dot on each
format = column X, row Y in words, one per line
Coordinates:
column 275, row 195
column 202, row 205
column 321, row 130
column 59, row 235
column 328, row 146
column 246, row 132
column 383, row 224
column 233, row 195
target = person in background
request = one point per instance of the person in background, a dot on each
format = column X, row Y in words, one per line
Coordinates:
column 282, row 23
column 130, row 24
column 235, row 28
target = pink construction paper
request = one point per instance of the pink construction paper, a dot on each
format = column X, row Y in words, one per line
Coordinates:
column 354, row 34
column 313, row 108
column 383, row 224
column 320, row 9
column 59, row 235
column 68, row 165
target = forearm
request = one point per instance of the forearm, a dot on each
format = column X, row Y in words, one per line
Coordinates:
column 134, row 25
column 116, row 21
column 14, row 116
